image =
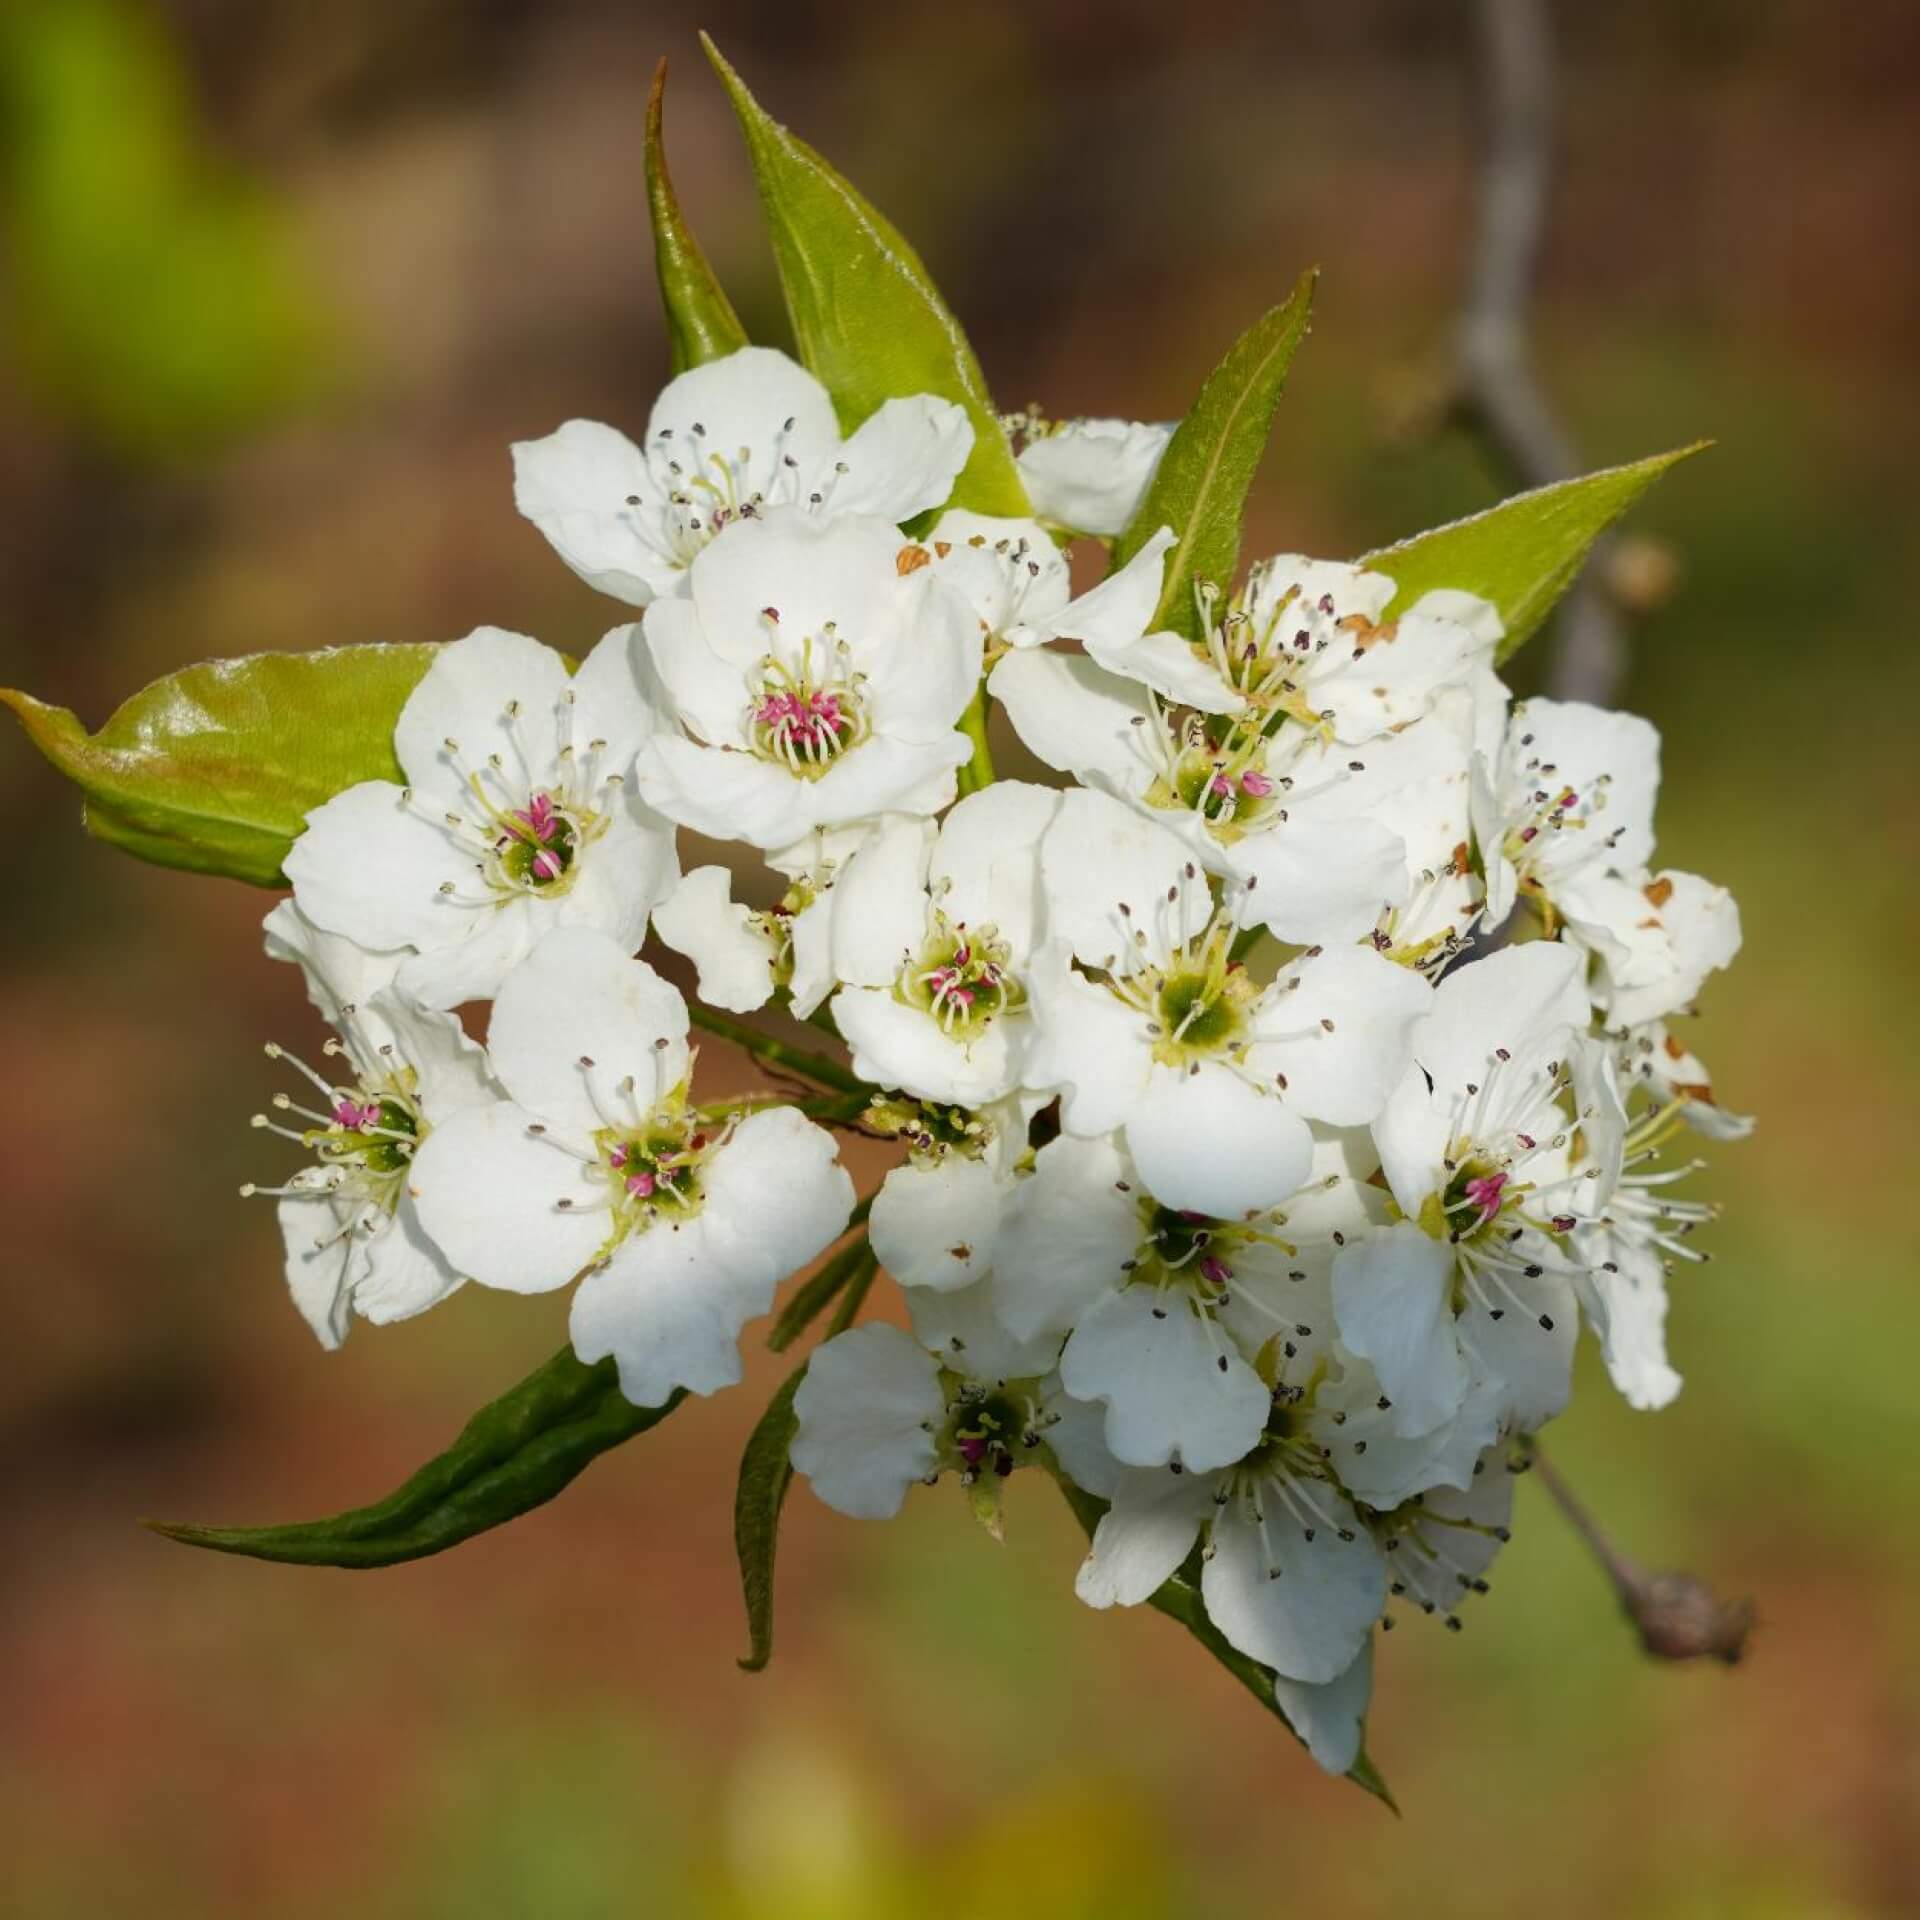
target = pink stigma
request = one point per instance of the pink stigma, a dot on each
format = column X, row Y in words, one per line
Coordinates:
column 1221, row 784
column 1485, row 1194
column 1257, row 784
column 972, row 1448
column 641, row 1185
column 1216, row 1270
column 546, row 865
column 353, row 1116
column 537, row 816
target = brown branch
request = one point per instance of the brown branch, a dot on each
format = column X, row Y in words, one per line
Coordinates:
column 1497, row 394
column 1677, row 1615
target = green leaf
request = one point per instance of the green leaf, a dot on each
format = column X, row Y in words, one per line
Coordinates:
column 701, row 322
column 867, row 318
column 512, row 1456
column 1180, row 1599
column 1201, row 488
column 765, row 1475
column 215, row 768
column 1525, row 553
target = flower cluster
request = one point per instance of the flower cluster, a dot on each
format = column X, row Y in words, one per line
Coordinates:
column 1274, row 1096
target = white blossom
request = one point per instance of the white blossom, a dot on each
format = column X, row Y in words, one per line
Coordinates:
column 1654, row 1058
column 1149, row 1026
column 1475, row 1145
column 816, row 684
column 518, row 816
column 682, row 1219
column 881, row 1408
column 353, row 1237
column 726, row 441
column 933, row 933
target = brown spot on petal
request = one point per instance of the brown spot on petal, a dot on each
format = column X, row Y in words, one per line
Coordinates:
column 1366, row 634
column 942, row 548
column 962, row 1252
column 910, row 559
column 1659, row 891
column 1675, row 1051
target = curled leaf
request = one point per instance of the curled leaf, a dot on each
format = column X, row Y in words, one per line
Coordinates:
column 216, row 767
column 765, row 1475
column 701, row 322
column 513, row 1455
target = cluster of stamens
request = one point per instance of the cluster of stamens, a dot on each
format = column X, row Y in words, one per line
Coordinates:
column 528, row 821
column 804, row 716
column 698, row 491
column 962, row 977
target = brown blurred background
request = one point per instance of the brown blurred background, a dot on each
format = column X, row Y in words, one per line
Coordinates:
column 279, row 284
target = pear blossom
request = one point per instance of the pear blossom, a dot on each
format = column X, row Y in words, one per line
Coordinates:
column 354, row 1242
column 1090, row 476
column 682, row 1219
column 1475, row 1146
column 937, row 1217
column 726, row 441
column 881, row 1408
column 1148, row 1024
column 933, row 933
column 816, row 682
column 518, row 816
column 1168, row 1310
column 1311, row 760
column 1664, row 934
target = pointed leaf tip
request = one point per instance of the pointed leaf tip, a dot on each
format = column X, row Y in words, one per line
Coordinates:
column 701, row 322
column 867, row 318
column 1207, row 472
column 1525, row 553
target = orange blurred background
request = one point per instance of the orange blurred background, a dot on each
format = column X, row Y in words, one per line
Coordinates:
column 278, row 285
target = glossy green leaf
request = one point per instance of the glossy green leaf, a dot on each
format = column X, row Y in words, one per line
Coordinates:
column 1526, row 552
column 216, row 767
column 701, row 322
column 867, row 318
column 513, row 1455
column 1201, row 488
column 1180, row 1599
column 765, row 1475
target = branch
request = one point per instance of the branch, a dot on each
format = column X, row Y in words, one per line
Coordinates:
column 1497, row 395
column 778, row 1055
column 1676, row 1615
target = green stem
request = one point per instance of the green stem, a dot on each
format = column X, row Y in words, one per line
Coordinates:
column 856, row 1291
column 978, row 772
column 780, row 1054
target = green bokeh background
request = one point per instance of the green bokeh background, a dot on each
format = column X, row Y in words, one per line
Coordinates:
column 277, row 285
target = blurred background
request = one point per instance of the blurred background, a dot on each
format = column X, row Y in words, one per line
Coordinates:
column 278, row 284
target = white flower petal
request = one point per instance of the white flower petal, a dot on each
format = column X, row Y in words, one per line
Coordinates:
column 1342, row 1037
column 1142, row 1538
column 1091, row 475
column 1095, row 1050
column 1393, row 1301
column 1172, row 1383
column 987, row 861
column 1312, row 879
column 575, row 1020
column 1330, row 1716
column 963, row 1328
column 710, row 695
column 1076, row 717
column 404, row 1273
column 895, row 1045
column 668, row 1306
column 465, row 696
column 902, row 459
column 866, row 1411
column 779, row 1185
column 1067, row 1235
column 575, row 485
column 1208, row 1142
column 880, row 903
column 488, row 1194
column 732, row 956
column 1301, row 1605
column 1121, row 890
column 938, row 1226
column 370, row 868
